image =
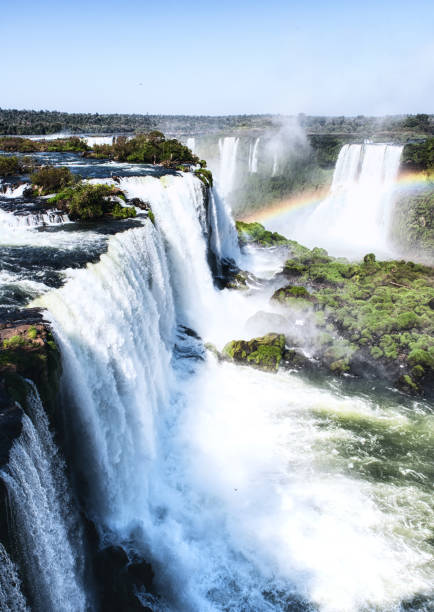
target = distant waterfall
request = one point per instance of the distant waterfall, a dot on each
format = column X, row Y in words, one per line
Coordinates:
column 43, row 520
column 98, row 140
column 275, row 164
column 228, row 147
column 191, row 143
column 355, row 217
column 253, row 156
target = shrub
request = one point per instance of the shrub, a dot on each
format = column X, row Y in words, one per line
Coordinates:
column 52, row 179
column 88, row 201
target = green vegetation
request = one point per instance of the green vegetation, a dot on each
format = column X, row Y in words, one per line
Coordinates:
column 419, row 156
column 326, row 148
column 381, row 311
column 257, row 234
column 413, row 223
column 205, row 176
column 14, row 121
column 50, row 179
column 30, row 352
column 11, row 165
column 71, row 144
column 90, row 201
column 264, row 353
column 147, row 148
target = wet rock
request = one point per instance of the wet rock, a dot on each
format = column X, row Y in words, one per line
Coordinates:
column 264, row 353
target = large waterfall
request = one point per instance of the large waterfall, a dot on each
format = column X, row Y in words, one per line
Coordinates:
column 247, row 491
column 355, row 217
column 43, row 521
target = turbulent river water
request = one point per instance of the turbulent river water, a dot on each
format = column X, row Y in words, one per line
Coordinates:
column 246, row 491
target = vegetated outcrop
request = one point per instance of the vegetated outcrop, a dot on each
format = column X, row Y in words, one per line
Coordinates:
column 264, row 353
column 147, row 148
column 72, row 144
column 11, row 165
column 255, row 233
column 383, row 312
column 373, row 318
column 28, row 350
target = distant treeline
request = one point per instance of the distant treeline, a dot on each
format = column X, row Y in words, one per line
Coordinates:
column 23, row 122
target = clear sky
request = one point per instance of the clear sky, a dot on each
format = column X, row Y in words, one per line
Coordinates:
column 218, row 57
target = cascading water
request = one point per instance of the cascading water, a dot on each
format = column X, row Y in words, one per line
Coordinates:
column 253, row 156
column 226, row 479
column 52, row 217
column 191, row 143
column 11, row 596
column 43, row 521
column 355, row 217
column 228, row 147
column 98, row 140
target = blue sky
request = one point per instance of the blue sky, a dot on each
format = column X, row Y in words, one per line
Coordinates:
column 218, row 57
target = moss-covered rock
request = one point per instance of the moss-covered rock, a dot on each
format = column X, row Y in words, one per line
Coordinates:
column 255, row 233
column 28, row 350
column 264, row 353
column 205, row 176
column 379, row 314
column 92, row 201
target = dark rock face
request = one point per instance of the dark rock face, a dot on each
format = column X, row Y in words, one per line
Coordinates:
column 120, row 579
column 10, row 423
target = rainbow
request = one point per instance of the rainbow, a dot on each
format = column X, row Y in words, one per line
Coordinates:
column 305, row 199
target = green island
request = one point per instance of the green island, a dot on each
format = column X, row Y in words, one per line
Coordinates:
column 372, row 317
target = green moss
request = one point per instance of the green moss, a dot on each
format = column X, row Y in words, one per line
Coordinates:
column 32, row 333
column 123, row 212
column 205, row 176
column 266, row 357
column 151, row 216
column 383, row 308
column 256, row 233
column 265, row 352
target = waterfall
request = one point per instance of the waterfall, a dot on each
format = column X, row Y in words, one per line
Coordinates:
column 253, row 156
column 43, row 520
column 275, row 164
column 224, row 237
column 225, row 478
column 11, row 597
column 11, row 191
column 179, row 208
column 191, row 143
column 52, row 217
column 98, row 140
column 355, row 217
column 228, row 147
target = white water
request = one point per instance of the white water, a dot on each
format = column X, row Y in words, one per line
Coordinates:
column 11, row 597
column 43, row 521
column 222, row 476
column 191, row 143
column 29, row 220
column 14, row 192
column 228, row 147
column 98, row 140
column 355, row 217
column 253, row 156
